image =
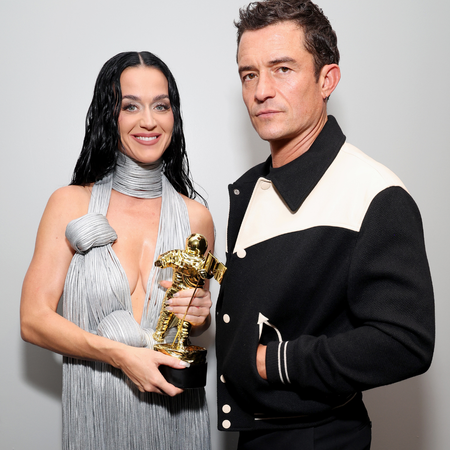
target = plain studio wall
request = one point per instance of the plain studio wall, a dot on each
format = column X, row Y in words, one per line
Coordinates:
column 392, row 103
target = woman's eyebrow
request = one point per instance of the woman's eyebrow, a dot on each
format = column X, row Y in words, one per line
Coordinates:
column 137, row 99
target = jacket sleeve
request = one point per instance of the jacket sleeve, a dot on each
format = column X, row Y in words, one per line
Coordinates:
column 390, row 299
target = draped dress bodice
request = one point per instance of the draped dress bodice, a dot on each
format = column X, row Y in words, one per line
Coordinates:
column 102, row 408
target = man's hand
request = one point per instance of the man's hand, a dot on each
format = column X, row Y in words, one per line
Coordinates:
column 261, row 361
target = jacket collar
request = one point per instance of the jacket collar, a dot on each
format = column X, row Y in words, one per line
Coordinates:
column 295, row 180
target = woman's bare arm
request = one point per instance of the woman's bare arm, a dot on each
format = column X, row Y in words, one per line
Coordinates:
column 42, row 289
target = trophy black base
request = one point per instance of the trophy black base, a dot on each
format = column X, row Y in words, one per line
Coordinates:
column 190, row 378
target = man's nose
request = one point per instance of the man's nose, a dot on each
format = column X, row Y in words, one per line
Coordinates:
column 265, row 87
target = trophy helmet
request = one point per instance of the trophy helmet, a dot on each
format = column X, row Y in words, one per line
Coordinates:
column 197, row 244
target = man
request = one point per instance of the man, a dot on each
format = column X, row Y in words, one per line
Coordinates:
column 328, row 291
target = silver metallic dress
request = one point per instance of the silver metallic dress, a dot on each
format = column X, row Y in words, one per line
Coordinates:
column 102, row 408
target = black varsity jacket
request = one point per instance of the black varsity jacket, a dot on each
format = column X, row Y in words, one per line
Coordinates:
column 327, row 266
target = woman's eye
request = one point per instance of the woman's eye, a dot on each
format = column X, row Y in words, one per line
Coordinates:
column 130, row 108
column 162, row 107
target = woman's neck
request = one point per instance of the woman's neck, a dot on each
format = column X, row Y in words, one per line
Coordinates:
column 137, row 180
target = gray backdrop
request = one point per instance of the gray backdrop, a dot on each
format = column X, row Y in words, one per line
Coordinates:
column 392, row 103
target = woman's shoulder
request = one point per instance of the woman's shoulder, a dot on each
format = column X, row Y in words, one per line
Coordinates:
column 200, row 218
column 73, row 192
column 197, row 209
column 64, row 205
column 69, row 202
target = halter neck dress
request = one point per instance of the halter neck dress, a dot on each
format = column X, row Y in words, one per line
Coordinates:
column 102, row 408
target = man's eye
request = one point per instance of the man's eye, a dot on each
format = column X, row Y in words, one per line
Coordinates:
column 249, row 76
column 284, row 69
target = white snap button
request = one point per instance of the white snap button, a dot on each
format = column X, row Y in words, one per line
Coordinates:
column 237, row 192
column 226, row 318
column 222, row 379
column 265, row 185
column 226, row 409
column 226, row 424
column 241, row 253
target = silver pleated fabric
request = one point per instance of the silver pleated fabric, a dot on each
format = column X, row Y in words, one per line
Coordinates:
column 102, row 408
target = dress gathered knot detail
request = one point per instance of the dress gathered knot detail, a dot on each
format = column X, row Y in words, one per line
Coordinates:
column 88, row 231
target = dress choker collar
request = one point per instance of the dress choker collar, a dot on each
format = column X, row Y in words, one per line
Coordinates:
column 137, row 180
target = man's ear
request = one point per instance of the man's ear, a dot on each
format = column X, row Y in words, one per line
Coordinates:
column 329, row 78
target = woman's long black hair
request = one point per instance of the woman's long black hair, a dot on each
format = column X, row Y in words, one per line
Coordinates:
column 101, row 141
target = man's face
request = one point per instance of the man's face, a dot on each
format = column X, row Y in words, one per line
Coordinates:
column 279, row 87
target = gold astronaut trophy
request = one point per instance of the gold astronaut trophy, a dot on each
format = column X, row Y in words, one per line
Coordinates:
column 190, row 270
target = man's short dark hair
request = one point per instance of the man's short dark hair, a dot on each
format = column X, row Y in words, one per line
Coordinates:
column 320, row 38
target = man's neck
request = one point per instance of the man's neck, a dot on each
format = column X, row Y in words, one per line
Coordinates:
column 285, row 151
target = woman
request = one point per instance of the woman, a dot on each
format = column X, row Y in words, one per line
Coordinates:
column 96, row 246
